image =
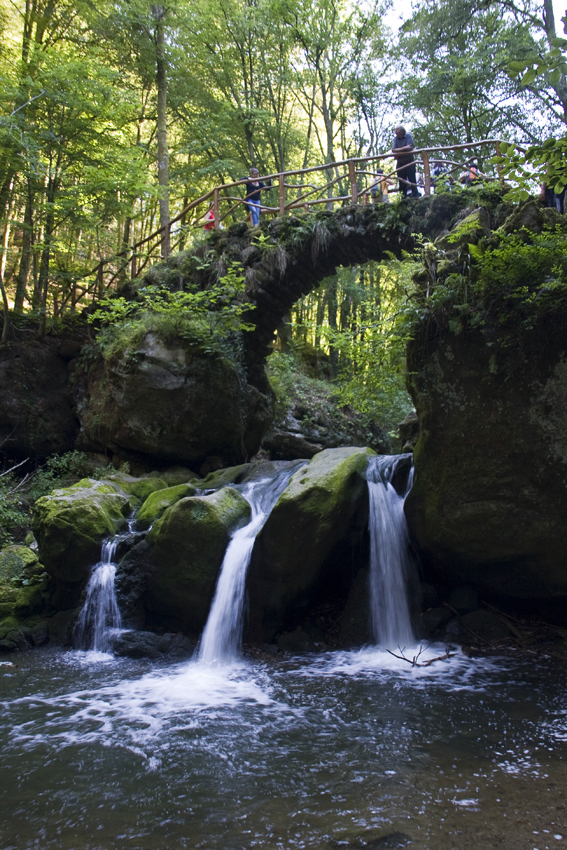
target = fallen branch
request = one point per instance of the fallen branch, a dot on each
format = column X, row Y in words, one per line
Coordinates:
column 415, row 662
column 12, row 468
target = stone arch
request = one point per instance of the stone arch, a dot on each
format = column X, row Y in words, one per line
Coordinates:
column 288, row 257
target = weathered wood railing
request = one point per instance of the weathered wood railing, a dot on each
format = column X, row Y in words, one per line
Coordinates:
column 353, row 179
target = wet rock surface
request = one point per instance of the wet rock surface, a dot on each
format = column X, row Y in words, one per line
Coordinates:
column 187, row 545
column 71, row 524
column 142, row 644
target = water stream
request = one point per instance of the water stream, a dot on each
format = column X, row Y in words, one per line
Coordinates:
column 337, row 750
column 100, row 618
column 390, row 567
column 223, row 631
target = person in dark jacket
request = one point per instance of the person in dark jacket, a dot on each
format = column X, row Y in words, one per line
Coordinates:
column 402, row 149
column 254, row 188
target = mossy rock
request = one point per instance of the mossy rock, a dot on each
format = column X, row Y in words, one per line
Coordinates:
column 70, row 525
column 324, row 506
column 159, row 501
column 140, row 488
column 174, row 475
column 21, row 582
column 188, row 544
column 224, row 477
column 469, row 230
column 8, row 625
column 18, row 563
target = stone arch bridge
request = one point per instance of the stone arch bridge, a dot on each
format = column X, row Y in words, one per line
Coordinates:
column 288, row 257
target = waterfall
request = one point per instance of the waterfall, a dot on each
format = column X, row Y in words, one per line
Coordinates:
column 390, row 566
column 223, row 631
column 100, row 617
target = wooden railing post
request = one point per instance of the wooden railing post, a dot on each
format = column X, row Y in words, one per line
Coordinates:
column 216, row 207
column 426, row 173
column 282, row 194
column 352, row 178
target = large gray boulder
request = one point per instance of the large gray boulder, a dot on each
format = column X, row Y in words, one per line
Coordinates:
column 172, row 402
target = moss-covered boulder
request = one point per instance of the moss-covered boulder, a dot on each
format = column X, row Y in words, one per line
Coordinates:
column 224, row 477
column 139, row 488
column 187, row 546
column 159, row 501
column 304, row 554
column 70, row 525
column 22, row 582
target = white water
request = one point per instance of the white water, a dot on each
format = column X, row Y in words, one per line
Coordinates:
column 100, row 616
column 223, row 631
column 390, row 567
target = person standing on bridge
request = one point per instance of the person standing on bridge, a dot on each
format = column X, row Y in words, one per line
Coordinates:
column 402, row 149
column 254, row 188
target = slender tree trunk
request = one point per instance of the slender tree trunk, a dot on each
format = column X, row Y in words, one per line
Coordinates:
column 332, row 315
column 25, row 260
column 43, row 283
column 159, row 13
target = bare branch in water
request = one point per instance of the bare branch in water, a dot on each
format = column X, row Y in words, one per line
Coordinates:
column 415, row 660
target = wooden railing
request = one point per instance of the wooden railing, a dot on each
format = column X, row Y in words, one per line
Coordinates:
column 349, row 181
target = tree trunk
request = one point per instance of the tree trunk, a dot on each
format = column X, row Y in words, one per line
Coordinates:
column 25, row 260
column 159, row 14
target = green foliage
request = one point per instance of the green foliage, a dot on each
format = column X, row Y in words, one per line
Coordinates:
column 543, row 163
column 211, row 318
column 507, row 287
column 551, row 65
column 315, row 402
column 18, row 493
column 455, row 80
column 356, row 321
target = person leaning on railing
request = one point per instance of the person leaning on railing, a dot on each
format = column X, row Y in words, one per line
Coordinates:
column 402, row 149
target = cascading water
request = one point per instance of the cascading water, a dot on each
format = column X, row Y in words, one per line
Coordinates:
column 390, row 566
column 100, row 616
column 223, row 630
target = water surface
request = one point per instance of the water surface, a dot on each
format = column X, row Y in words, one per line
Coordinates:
column 337, row 750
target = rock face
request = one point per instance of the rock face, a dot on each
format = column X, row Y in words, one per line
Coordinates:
column 187, row 546
column 489, row 501
column 172, row 403
column 310, row 548
column 71, row 523
column 37, row 416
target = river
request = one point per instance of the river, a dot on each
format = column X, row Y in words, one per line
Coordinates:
column 342, row 749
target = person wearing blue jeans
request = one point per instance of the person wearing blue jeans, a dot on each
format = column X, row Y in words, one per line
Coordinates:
column 254, row 188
